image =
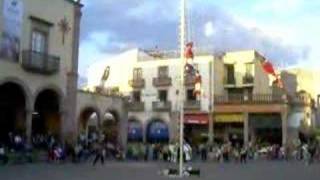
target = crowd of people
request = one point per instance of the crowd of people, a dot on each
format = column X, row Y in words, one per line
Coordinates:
column 226, row 152
column 51, row 149
column 96, row 147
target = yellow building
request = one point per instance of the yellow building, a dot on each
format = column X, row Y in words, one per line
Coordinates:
column 237, row 101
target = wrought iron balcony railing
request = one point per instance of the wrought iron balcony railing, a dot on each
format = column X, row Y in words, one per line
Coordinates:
column 250, row 99
column 192, row 105
column 138, row 83
column 229, row 81
column 161, row 106
column 135, row 106
column 248, row 79
column 162, row 81
column 40, row 62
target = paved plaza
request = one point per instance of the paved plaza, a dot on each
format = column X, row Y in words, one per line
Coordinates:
column 149, row 171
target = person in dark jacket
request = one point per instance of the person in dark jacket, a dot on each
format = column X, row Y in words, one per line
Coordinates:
column 99, row 154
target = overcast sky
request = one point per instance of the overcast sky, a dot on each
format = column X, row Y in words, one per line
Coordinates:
column 285, row 31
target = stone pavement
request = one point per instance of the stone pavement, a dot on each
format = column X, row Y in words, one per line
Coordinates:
column 149, row 171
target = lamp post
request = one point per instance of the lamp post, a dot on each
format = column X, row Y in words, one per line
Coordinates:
column 182, row 59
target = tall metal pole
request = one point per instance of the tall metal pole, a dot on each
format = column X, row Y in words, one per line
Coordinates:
column 182, row 59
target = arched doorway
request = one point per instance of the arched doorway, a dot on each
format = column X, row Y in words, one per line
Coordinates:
column 157, row 132
column 135, row 130
column 46, row 119
column 110, row 127
column 12, row 110
column 89, row 121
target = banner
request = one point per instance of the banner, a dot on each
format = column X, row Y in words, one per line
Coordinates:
column 11, row 29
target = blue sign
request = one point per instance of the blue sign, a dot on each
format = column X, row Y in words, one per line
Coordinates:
column 157, row 132
column 135, row 132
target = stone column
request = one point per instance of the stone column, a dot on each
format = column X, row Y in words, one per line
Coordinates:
column 210, row 129
column 246, row 128
column 29, row 113
column 284, row 120
column 123, row 134
column 70, row 124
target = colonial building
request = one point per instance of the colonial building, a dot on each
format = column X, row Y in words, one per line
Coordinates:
column 238, row 101
column 39, row 42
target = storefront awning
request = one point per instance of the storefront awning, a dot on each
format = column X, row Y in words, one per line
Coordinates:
column 158, row 131
column 135, row 132
column 200, row 119
column 228, row 118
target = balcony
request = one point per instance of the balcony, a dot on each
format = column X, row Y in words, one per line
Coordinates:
column 162, row 81
column 161, row 106
column 192, row 105
column 135, row 106
column 137, row 83
column 247, row 79
column 40, row 63
column 229, row 81
column 250, row 99
column 189, row 80
column 300, row 101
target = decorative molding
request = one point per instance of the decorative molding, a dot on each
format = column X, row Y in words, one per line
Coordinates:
column 42, row 21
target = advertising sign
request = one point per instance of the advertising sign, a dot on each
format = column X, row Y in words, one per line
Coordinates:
column 12, row 17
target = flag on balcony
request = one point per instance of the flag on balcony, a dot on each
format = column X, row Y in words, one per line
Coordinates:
column 269, row 69
column 188, row 51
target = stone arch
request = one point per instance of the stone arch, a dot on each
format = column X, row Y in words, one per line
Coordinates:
column 15, row 99
column 27, row 91
column 110, row 125
column 54, row 88
column 48, row 108
column 84, row 118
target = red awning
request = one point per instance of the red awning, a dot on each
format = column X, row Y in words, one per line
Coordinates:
column 201, row 119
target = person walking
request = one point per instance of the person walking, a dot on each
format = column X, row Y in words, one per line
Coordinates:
column 243, row 155
column 99, row 154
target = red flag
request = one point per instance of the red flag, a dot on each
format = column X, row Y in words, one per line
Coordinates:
column 189, row 52
column 268, row 68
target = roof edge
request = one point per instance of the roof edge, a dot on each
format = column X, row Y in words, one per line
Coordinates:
column 77, row 3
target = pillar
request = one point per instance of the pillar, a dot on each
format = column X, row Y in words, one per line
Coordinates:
column 70, row 121
column 29, row 113
column 246, row 128
column 210, row 129
column 284, row 120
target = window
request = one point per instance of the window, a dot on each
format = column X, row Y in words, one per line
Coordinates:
column 190, row 95
column 249, row 68
column 137, row 73
column 136, row 96
column 163, row 95
column 39, row 41
column 163, row 71
column 229, row 73
column 39, row 37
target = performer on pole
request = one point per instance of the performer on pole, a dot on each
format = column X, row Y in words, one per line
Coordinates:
column 197, row 85
column 188, row 54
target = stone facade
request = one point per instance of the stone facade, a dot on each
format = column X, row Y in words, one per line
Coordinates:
column 47, row 56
